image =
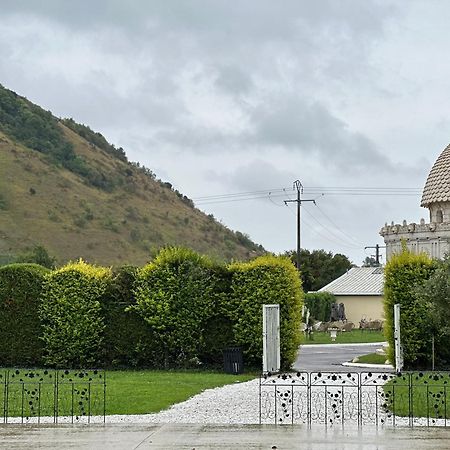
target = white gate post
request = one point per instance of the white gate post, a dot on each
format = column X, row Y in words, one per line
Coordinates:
column 397, row 340
column 271, row 338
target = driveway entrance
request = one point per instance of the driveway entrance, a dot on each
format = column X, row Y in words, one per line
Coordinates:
column 329, row 357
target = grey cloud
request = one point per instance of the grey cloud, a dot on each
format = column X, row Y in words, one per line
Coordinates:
column 233, row 79
column 235, row 47
column 311, row 129
column 265, row 20
column 252, row 176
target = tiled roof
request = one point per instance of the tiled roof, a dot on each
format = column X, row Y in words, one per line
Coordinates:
column 358, row 281
column 437, row 187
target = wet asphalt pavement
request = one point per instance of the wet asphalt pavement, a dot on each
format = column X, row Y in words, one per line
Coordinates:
column 329, row 357
column 178, row 436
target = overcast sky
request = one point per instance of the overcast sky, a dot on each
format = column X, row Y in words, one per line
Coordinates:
column 221, row 97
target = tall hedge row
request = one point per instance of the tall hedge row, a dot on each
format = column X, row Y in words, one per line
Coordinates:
column 319, row 305
column 127, row 339
column 20, row 327
column 179, row 310
column 71, row 317
column 266, row 280
column 175, row 296
column 404, row 273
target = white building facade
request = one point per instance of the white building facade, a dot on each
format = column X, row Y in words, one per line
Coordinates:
column 432, row 238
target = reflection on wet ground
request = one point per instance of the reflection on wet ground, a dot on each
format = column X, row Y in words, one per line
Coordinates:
column 177, row 436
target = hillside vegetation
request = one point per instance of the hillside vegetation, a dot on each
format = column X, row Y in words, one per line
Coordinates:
column 64, row 187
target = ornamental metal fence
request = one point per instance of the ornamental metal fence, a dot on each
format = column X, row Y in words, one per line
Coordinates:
column 32, row 396
column 358, row 398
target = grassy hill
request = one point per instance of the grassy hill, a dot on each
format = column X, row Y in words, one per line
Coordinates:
column 64, row 187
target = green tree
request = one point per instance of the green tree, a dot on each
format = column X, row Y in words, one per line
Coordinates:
column 319, row 267
column 37, row 255
column 369, row 261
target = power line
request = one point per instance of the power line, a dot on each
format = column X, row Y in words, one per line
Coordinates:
column 377, row 252
column 311, row 227
column 299, row 188
column 339, row 229
column 333, row 190
column 339, row 239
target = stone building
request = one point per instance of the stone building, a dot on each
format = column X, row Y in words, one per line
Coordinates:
column 433, row 237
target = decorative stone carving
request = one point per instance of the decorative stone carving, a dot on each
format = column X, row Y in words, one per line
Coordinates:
column 433, row 237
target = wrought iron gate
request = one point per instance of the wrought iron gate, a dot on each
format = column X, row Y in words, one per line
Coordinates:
column 387, row 399
column 32, row 395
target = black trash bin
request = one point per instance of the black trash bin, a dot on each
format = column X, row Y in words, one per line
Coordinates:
column 233, row 360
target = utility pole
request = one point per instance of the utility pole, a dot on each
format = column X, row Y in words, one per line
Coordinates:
column 377, row 252
column 299, row 187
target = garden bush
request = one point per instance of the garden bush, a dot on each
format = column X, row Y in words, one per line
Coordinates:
column 180, row 310
column 174, row 295
column 20, row 290
column 71, row 315
column 218, row 329
column 404, row 273
column 319, row 305
column 266, row 280
column 435, row 294
column 128, row 340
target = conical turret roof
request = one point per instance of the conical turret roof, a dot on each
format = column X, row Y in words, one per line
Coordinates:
column 437, row 187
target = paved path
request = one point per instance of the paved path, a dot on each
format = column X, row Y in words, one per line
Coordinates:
column 199, row 437
column 329, row 357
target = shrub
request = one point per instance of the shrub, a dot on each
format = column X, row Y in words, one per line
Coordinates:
column 435, row 295
column 218, row 329
column 127, row 337
column 20, row 289
column 266, row 280
column 37, row 255
column 403, row 273
column 71, row 314
column 174, row 295
column 319, row 305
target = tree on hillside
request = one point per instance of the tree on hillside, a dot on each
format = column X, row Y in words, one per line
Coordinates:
column 38, row 255
column 319, row 267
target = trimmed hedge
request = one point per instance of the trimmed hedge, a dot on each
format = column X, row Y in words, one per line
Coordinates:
column 180, row 310
column 20, row 289
column 175, row 296
column 218, row 329
column 319, row 305
column 404, row 273
column 71, row 315
column 266, row 280
column 128, row 340
column 435, row 293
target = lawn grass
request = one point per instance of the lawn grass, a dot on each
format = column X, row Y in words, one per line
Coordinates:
column 372, row 358
column 127, row 392
column 345, row 337
column 147, row 391
column 428, row 396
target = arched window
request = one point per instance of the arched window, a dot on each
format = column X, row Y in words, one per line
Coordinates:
column 439, row 216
